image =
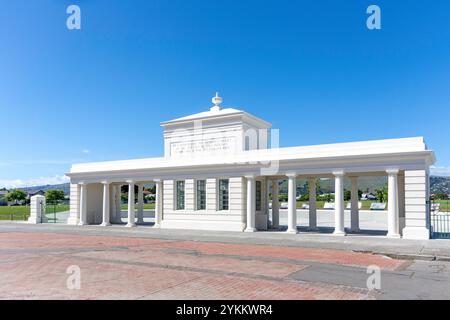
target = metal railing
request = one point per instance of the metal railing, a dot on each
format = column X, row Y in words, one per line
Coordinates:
column 14, row 216
column 440, row 225
column 440, row 219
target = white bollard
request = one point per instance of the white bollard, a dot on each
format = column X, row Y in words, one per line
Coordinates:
column 37, row 205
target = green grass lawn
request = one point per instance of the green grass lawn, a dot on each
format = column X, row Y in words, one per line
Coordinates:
column 445, row 205
column 365, row 204
column 147, row 206
column 22, row 212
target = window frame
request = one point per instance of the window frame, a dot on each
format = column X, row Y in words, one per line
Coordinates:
column 219, row 203
column 177, row 208
column 258, row 201
column 197, row 195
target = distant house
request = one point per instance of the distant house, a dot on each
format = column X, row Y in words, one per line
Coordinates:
column 368, row 196
column 35, row 193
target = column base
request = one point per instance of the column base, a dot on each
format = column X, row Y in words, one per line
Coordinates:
column 33, row 220
column 131, row 225
column 416, row 233
column 73, row 221
column 250, row 230
column 82, row 224
column 105, row 224
column 292, row 231
column 393, row 236
column 339, row 233
column 157, row 226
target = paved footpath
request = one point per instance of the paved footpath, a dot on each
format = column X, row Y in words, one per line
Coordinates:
column 145, row 263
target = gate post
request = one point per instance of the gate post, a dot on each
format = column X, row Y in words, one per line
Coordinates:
column 37, row 211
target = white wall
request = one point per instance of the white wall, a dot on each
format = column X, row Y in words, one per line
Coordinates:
column 94, row 198
column 74, row 215
column 416, row 207
column 209, row 219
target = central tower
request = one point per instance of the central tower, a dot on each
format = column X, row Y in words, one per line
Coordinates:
column 214, row 133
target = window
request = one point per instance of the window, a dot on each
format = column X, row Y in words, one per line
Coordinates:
column 258, row 196
column 223, row 194
column 180, row 195
column 201, row 194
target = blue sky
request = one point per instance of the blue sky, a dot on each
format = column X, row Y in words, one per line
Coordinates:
column 312, row 68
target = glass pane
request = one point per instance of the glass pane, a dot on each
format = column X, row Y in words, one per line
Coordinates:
column 201, row 195
column 258, row 196
column 180, row 195
column 223, row 194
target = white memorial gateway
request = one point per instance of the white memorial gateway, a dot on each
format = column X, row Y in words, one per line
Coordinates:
column 219, row 166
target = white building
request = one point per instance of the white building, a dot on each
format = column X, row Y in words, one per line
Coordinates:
column 218, row 166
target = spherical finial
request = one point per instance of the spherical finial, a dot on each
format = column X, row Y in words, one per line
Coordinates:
column 217, row 101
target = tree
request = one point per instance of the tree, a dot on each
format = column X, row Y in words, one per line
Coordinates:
column 53, row 196
column 318, row 191
column 305, row 197
column 440, row 196
column 16, row 196
column 382, row 194
column 347, row 195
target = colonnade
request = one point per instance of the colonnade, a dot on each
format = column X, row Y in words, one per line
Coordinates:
column 111, row 203
column 339, row 209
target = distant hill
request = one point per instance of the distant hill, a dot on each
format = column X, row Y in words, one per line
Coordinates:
column 65, row 187
column 438, row 185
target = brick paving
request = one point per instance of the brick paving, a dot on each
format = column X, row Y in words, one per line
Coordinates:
column 34, row 265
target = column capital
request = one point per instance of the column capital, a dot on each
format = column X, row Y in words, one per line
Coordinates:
column 157, row 180
column 339, row 173
column 130, row 181
column 250, row 177
column 291, row 175
column 105, row 182
column 392, row 171
column 82, row 183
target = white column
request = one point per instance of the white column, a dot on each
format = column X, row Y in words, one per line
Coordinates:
column 393, row 216
column 354, row 205
column 118, row 218
column 275, row 205
column 158, row 203
column 267, row 201
column 312, row 205
column 339, row 203
column 292, row 203
column 106, row 212
column 251, row 195
column 140, row 217
column 83, row 205
column 131, row 215
column 113, row 202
